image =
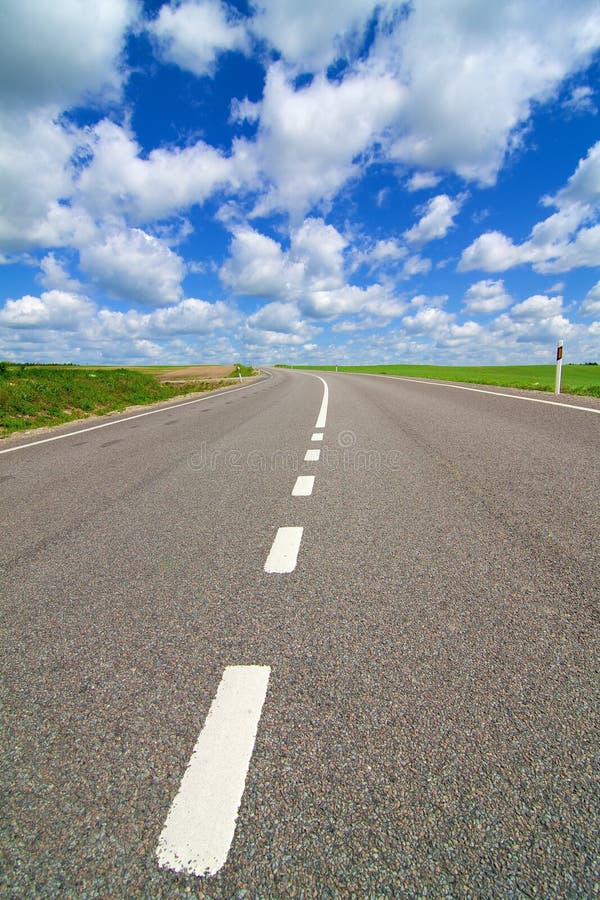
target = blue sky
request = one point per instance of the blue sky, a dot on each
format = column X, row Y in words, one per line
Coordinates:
column 284, row 181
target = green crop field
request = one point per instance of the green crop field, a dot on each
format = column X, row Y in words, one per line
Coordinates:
column 576, row 379
column 32, row 396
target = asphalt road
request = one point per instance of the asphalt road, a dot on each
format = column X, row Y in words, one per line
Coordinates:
column 430, row 725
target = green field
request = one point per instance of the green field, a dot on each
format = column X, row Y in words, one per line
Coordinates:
column 32, row 396
column 576, row 379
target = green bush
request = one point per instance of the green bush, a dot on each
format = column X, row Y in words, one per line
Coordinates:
column 241, row 369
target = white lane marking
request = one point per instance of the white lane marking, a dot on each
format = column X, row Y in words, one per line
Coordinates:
column 463, row 387
column 322, row 417
column 284, row 552
column 151, row 412
column 317, row 437
column 312, row 455
column 304, row 486
column 201, row 823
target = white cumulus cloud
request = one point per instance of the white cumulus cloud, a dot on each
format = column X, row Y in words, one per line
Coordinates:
column 310, row 274
column 258, row 266
column 581, row 100
column 119, row 180
column 422, row 180
column 415, row 265
column 486, row 296
column 436, row 220
column 35, row 153
column 591, row 303
column 309, row 139
column 53, row 309
column 55, row 276
column 189, row 316
column 428, row 321
column 310, row 35
column 57, row 53
column 584, row 184
column 474, row 71
column 388, row 249
column 133, row 265
column 537, row 307
column 564, row 240
column 192, row 33
column 63, row 325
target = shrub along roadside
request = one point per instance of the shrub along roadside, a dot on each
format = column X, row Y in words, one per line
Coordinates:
column 32, row 396
column 241, row 369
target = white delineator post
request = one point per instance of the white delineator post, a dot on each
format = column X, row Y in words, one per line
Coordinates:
column 559, row 356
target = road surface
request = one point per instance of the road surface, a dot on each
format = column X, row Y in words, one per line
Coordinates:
column 320, row 637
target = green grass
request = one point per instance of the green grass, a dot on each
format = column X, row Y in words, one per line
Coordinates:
column 244, row 371
column 33, row 396
column 576, row 379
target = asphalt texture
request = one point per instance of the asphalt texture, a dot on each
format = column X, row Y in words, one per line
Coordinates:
column 431, row 723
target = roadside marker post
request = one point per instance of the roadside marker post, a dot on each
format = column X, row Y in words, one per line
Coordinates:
column 559, row 357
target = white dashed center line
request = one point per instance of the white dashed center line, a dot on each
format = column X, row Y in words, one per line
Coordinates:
column 201, row 822
column 283, row 555
column 322, row 417
column 284, row 552
column 304, row 486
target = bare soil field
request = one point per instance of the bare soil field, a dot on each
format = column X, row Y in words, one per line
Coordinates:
column 197, row 373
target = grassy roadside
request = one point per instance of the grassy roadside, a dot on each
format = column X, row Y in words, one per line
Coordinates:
column 32, row 396
column 576, row 379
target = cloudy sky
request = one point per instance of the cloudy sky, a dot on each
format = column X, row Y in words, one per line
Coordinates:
column 299, row 181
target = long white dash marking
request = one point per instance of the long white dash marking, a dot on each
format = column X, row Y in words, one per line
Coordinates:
column 317, row 436
column 322, row 417
column 312, row 455
column 284, row 552
column 304, row 486
column 201, row 823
